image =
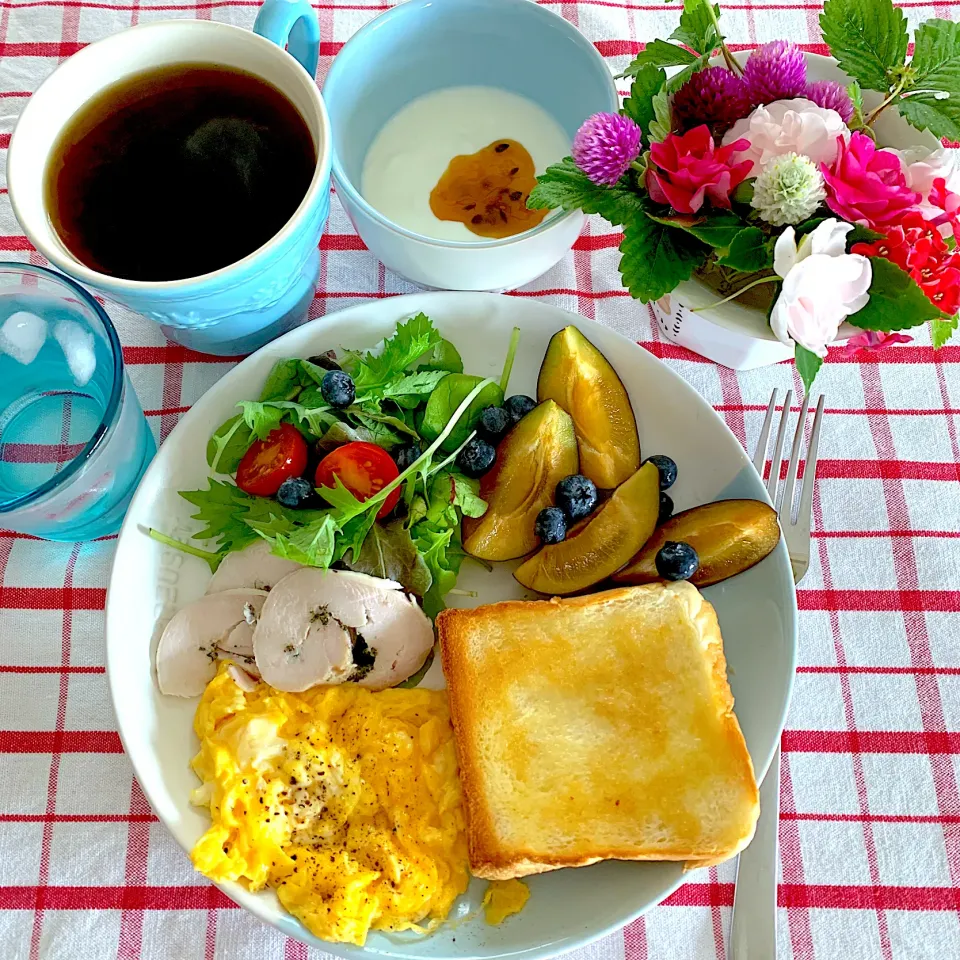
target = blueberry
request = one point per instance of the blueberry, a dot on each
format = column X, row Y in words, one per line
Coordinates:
column 666, row 508
column 337, row 388
column 551, row 525
column 494, row 423
column 677, row 561
column 476, row 458
column 667, row 469
column 405, row 455
column 297, row 493
column 576, row 496
column 519, row 406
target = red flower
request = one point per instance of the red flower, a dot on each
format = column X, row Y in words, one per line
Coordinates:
column 948, row 202
column 916, row 246
column 691, row 167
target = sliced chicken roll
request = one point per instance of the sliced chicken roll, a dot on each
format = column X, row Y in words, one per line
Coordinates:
column 200, row 634
column 325, row 627
column 254, row 567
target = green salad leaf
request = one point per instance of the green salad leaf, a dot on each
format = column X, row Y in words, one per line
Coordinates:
column 408, row 344
column 449, row 395
column 388, row 551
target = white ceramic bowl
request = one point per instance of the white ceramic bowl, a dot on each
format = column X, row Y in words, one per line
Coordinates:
column 739, row 325
column 425, row 45
column 757, row 610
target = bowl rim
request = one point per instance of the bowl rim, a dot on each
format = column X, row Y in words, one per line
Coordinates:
column 355, row 197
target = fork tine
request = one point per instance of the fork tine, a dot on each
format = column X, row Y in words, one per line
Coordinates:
column 805, row 510
column 776, row 457
column 786, row 505
column 763, row 441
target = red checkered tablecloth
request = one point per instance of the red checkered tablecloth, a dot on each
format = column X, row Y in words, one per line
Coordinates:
column 870, row 823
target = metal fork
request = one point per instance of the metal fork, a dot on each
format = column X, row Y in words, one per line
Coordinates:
column 753, row 931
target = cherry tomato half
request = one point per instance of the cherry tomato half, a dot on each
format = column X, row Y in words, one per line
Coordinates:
column 269, row 462
column 364, row 469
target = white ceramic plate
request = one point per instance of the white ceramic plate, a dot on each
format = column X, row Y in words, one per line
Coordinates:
column 757, row 609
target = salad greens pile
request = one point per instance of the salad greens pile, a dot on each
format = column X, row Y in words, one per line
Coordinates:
column 412, row 390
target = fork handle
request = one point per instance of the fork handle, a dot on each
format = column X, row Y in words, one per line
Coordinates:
column 753, row 933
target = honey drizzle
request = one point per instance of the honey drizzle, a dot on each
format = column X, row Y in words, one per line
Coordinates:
column 487, row 191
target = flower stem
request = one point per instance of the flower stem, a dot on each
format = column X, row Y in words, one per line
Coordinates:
column 897, row 90
column 728, row 57
column 736, row 293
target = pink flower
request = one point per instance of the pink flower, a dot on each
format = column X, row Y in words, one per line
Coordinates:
column 866, row 185
column 605, row 146
column 691, row 168
column 872, row 340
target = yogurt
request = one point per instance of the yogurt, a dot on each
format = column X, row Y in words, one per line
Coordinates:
column 414, row 148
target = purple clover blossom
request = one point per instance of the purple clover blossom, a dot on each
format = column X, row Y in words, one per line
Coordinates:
column 605, row 146
column 714, row 96
column 831, row 96
column 776, row 71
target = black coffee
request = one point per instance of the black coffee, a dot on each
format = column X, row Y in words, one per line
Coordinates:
column 178, row 171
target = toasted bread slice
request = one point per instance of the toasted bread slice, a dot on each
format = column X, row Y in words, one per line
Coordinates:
column 594, row 728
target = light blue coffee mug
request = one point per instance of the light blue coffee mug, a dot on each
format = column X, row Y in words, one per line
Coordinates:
column 237, row 309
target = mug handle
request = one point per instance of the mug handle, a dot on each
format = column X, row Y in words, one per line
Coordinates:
column 292, row 24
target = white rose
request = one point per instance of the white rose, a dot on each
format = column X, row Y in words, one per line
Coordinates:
column 789, row 126
column 822, row 285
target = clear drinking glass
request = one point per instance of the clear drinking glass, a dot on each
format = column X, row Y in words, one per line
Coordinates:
column 73, row 439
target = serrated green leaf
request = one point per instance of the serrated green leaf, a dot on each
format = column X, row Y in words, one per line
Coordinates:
column 261, row 418
column 284, row 382
column 659, row 53
column 225, row 449
column 715, row 228
column 868, row 38
column 410, row 342
column 639, row 106
column 420, row 383
column 808, row 365
column 925, row 112
column 696, row 28
column 936, row 55
column 311, row 544
column 941, row 331
column 680, row 78
column 565, row 185
column 896, row 301
column 655, row 258
column 750, row 251
column 662, row 123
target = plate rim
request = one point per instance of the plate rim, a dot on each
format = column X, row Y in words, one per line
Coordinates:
column 285, row 922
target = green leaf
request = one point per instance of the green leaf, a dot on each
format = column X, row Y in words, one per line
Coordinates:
column 662, row 122
column 565, row 185
column 389, row 552
column 311, row 544
column 447, row 396
column 750, row 251
column 715, row 228
column 262, row 419
column 507, row 367
column 212, row 560
column 225, row 449
column 936, row 55
column 925, row 112
column 443, row 556
column 696, row 28
column 942, row 330
column 285, row 381
column 896, row 301
column 808, row 365
column 420, row 383
column 346, row 506
column 466, row 495
column 409, row 343
column 655, row 258
column 414, row 681
column 312, row 373
column 314, row 419
column 639, row 107
column 443, row 355
column 370, row 418
column 868, row 38
column 659, row 53
column 680, row 78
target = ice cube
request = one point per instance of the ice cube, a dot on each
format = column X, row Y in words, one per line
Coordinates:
column 77, row 344
column 22, row 336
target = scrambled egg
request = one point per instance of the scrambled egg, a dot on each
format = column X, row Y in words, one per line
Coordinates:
column 345, row 801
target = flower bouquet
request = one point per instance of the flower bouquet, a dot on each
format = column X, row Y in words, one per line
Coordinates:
column 760, row 181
